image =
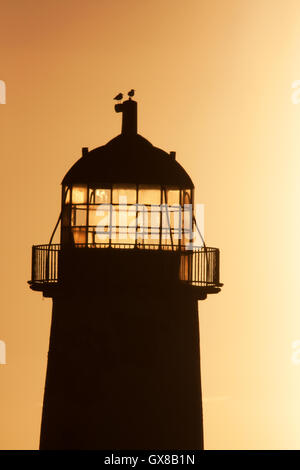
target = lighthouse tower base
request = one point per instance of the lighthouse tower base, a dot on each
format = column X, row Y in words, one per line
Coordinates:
column 123, row 370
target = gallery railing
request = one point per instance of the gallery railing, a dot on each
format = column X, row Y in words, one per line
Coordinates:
column 199, row 266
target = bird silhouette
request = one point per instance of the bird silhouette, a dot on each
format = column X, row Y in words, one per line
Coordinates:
column 131, row 92
column 118, row 97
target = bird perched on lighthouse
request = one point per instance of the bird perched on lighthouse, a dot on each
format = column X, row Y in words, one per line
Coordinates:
column 131, row 93
column 118, row 97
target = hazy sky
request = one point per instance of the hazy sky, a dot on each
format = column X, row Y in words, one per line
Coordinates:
column 213, row 82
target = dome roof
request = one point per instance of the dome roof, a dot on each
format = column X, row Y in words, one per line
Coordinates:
column 128, row 159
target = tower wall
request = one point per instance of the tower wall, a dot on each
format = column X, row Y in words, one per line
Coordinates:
column 123, row 369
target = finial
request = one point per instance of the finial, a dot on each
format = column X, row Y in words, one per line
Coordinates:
column 129, row 116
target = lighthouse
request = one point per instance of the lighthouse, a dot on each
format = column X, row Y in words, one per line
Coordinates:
column 123, row 367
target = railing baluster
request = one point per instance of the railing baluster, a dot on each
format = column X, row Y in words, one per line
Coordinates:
column 33, row 263
column 42, row 265
column 51, row 270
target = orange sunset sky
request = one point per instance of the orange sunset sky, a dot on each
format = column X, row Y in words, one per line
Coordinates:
column 213, row 82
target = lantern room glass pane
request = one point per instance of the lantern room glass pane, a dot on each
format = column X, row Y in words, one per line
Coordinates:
column 99, row 222
column 165, row 223
column 79, row 234
column 142, row 223
column 124, row 194
column 186, row 196
column 79, row 194
column 149, row 194
column 79, row 215
column 173, row 197
column 187, row 223
column 187, row 216
column 99, row 196
column 99, row 213
column 99, row 234
column 172, row 222
column 123, row 223
column 154, row 223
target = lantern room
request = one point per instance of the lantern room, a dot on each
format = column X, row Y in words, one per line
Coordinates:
column 128, row 193
column 129, row 214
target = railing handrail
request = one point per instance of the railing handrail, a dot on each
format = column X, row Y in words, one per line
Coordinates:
column 133, row 245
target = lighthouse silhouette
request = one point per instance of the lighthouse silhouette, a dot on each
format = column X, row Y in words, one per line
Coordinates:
column 123, row 366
